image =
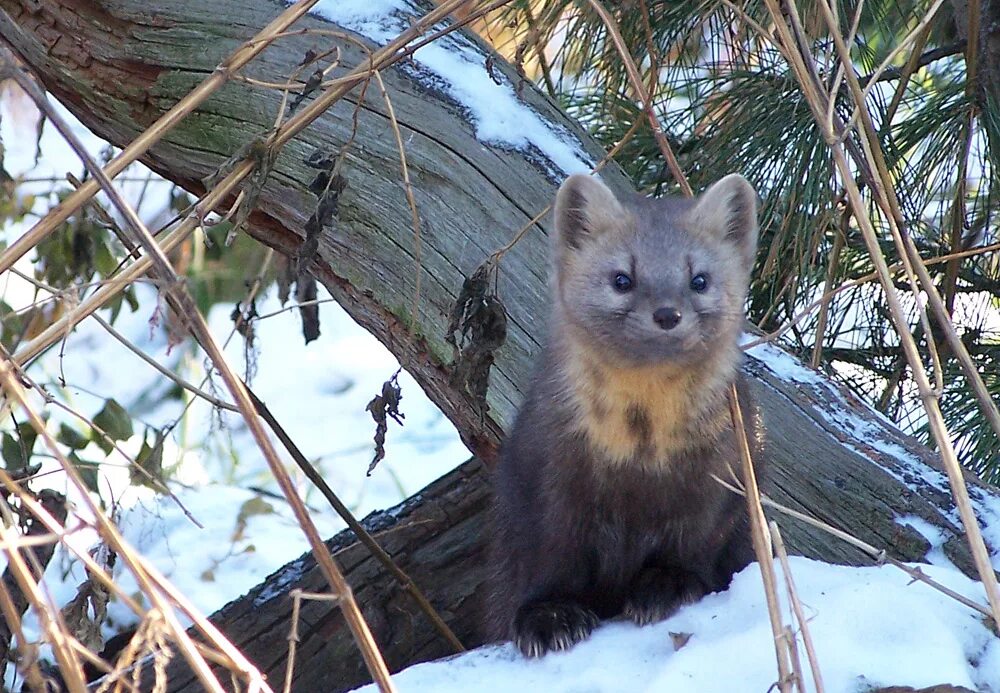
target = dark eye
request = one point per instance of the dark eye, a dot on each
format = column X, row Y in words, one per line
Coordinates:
column 699, row 282
column 622, row 283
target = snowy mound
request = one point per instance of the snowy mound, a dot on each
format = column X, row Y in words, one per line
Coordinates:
column 871, row 627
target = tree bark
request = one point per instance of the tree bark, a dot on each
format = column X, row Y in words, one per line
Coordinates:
column 118, row 64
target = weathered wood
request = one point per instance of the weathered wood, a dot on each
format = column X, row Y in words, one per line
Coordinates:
column 118, row 64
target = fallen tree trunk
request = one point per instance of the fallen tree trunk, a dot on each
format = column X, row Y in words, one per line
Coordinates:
column 118, row 64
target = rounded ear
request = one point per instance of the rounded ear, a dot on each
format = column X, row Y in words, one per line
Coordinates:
column 728, row 211
column 585, row 207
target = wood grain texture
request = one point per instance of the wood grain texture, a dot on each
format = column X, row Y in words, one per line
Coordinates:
column 118, row 64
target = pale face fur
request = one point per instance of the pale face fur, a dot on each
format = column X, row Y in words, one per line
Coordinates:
column 646, row 388
column 661, row 245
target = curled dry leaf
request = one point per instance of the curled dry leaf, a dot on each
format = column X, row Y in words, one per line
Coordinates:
column 679, row 640
column 477, row 329
column 382, row 407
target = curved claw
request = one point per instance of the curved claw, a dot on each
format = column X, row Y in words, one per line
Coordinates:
column 552, row 626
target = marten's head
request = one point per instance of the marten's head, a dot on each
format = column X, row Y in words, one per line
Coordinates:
column 646, row 280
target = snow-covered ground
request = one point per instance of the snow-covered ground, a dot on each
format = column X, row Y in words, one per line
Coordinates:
column 870, row 626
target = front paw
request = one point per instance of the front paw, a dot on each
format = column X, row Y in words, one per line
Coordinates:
column 542, row 627
column 657, row 593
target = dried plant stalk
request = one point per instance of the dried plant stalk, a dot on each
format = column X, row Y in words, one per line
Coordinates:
column 761, row 543
column 793, row 598
column 155, row 132
column 643, row 94
column 186, row 308
column 13, row 390
column 878, row 555
column 805, row 73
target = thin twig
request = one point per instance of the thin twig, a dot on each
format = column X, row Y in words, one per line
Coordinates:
column 27, row 662
column 389, row 54
column 958, row 210
column 410, row 200
column 14, row 391
column 793, row 598
column 865, row 279
column 359, row 531
column 915, row 62
column 535, row 39
column 886, row 198
column 297, row 596
column 878, row 555
column 643, row 94
column 498, row 254
column 188, row 312
column 49, row 614
column 190, row 387
column 793, row 654
column 140, row 145
column 761, row 544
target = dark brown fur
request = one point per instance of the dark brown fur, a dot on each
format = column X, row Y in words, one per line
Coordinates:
column 605, row 501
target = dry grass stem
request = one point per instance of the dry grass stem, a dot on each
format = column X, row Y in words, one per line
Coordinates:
column 163, row 370
column 49, row 614
column 363, row 535
column 793, row 653
column 187, row 310
column 878, row 555
column 793, row 599
column 643, row 94
column 137, row 564
column 140, row 145
column 389, row 54
column 885, row 196
column 410, row 200
column 297, row 596
column 498, row 254
column 914, row 37
column 138, row 468
column 28, row 665
column 866, row 279
column 761, row 543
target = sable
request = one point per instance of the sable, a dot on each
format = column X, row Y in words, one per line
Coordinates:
column 605, row 502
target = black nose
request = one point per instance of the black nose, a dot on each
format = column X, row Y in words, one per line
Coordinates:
column 667, row 318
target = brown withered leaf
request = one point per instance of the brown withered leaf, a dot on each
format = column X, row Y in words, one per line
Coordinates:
column 87, row 611
column 679, row 640
column 478, row 327
column 327, row 186
column 263, row 156
column 313, row 83
column 243, row 319
column 383, row 407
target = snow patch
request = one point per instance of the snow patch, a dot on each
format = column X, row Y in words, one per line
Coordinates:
column 934, row 535
column 870, row 627
column 780, row 362
column 456, row 66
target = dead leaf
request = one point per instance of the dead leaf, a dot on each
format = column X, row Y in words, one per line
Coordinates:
column 679, row 640
column 382, row 407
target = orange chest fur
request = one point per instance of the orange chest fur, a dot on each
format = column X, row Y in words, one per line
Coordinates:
column 646, row 413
